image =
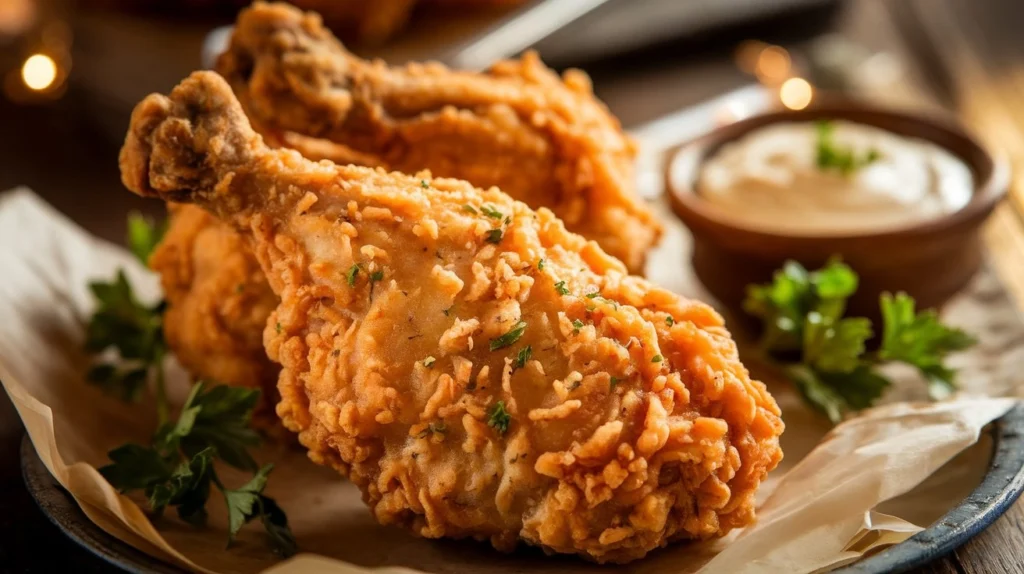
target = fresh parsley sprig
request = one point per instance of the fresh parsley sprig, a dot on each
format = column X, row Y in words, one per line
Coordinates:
column 824, row 352
column 830, row 155
column 177, row 468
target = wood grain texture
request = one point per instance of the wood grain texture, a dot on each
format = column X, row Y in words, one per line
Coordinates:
column 975, row 50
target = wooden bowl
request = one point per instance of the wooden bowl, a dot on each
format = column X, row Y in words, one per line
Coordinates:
column 929, row 260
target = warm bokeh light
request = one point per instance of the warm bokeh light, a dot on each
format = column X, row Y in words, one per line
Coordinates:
column 747, row 54
column 796, row 93
column 16, row 16
column 39, row 72
column 773, row 65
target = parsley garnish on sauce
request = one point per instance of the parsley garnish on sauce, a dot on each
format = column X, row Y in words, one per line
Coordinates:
column 803, row 315
column 830, row 155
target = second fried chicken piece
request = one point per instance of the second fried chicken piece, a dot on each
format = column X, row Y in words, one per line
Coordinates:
column 219, row 303
column 474, row 368
column 544, row 140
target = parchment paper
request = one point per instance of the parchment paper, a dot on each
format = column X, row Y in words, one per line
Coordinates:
column 820, row 509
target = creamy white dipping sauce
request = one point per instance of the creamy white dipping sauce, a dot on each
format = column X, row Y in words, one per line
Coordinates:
column 770, row 180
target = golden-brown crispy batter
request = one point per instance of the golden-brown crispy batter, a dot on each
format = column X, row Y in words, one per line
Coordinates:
column 544, row 140
column 629, row 423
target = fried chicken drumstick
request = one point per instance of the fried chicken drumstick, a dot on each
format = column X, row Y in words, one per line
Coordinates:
column 474, row 368
column 544, row 140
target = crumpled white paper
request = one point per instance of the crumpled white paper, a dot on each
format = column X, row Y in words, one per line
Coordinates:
column 818, row 509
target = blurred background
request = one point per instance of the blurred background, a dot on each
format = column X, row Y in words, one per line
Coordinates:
column 71, row 71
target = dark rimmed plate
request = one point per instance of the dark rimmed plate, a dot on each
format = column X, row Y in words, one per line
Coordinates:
column 999, row 489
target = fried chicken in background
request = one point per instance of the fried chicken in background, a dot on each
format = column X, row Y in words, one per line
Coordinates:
column 544, row 140
column 474, row 368
column 220, row 302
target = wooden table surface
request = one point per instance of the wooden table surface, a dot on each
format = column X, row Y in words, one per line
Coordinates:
column 65, row 152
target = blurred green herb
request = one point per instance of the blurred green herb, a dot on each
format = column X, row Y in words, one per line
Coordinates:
column 803, row 316
column 144, row 235
column 830, row 155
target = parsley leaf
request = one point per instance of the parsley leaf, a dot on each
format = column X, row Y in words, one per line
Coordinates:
column 920, row 340
column 561, row 289
column 188, row 485
column 122, row 322
column 135, row 332
column 803, row 316
column 510, row 337
column 830, row 155
column 350, row 276
column 495, row 235
column 576, row 326
column 134, row 467
column 522, row 357
column 491, row 212
column 144, row 235
column 498, row 418
column 834, row 346
column 222, row 422
column 837, row 394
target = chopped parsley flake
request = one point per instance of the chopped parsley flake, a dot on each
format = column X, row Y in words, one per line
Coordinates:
column 494, row 235
column 560, row 287
column 278, row 327
column 351, row 275
column 498, row 418
column 521, row 358
column 540, row 265
column 593, row 295
column 424, row 184
column 510, row 337
column 670, row 321
column 657, row 359
column 469, row 208
column 491, row 212
column 447, row 311
column 614, row 381
column 576, row 325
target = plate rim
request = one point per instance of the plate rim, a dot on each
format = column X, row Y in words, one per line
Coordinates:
column 999, row 489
